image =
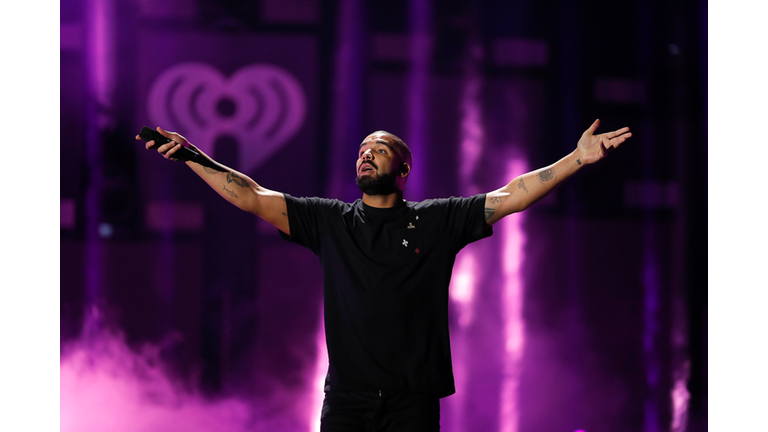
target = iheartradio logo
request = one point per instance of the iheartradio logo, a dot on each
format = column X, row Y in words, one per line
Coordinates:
column 260, row 106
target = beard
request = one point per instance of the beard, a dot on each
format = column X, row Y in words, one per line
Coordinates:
column 380, row 185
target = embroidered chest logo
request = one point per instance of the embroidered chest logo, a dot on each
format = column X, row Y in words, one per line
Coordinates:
column 405, row 242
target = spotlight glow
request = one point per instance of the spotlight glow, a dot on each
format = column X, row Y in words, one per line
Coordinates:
column 514, row 326
column 318, row 380
column 680, row 399
column 462, row 289
column 472, row 133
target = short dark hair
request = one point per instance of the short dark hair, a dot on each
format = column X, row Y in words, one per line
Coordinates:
column 403, row 147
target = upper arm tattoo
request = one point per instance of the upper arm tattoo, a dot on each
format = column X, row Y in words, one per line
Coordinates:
column 546, row 175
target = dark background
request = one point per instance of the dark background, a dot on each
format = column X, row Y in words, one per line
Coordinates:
column 613, row 270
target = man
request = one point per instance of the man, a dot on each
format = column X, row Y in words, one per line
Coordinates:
column 387, row 266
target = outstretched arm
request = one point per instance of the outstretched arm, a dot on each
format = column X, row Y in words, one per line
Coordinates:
column 233, row 186
column 524, row 190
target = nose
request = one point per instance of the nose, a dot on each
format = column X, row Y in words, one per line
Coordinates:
column 367, row 155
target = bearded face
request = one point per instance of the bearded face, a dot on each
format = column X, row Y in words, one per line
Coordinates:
column 381, row 168
column 383, row 184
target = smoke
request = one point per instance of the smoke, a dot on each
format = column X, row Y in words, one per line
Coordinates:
column 106, row 385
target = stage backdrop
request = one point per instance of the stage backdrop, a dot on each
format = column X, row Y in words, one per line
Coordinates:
column 181, row 312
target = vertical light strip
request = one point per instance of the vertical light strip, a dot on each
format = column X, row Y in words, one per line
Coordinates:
column 318, row 378
column 348, row 97
column 651, row 330
column 513, row 239
column 471, row 125
column 680, row 398
column 462, row 293
column 99, row 68
column 681, row 363
column 102, row 40
column 418, row 88
column 464, row 280
column 463, row 287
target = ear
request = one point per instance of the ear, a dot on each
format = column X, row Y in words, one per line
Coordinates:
column 405, row 169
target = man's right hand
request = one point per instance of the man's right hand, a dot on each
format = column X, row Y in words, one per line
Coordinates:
column 168, row 149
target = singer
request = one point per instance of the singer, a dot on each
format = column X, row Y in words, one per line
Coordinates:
column 387, row 265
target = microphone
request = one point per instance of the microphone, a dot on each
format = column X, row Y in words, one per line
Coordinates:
column 184, row 153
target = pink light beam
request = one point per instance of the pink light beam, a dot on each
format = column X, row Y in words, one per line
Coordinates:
column 514, row 326
column 318, row 379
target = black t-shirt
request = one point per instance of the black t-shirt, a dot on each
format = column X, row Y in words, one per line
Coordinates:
column 386, row 274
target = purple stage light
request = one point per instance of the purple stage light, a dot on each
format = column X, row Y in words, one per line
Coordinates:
column 514, row 326
column 680, row 399
column 463, row 286
column 318, row 379
column 651, row 329
column 99, row 55
column 418, row 91
column 471, row 126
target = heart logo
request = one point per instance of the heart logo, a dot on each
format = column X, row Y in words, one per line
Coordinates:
column 261, row 106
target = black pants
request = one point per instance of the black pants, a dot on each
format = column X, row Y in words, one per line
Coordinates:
column 380, row 411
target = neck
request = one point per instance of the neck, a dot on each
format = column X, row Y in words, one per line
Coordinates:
column 383, row 201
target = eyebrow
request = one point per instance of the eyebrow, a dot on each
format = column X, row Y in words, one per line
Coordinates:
column 377, row 142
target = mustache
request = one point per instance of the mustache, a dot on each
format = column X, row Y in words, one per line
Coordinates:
column 369, row 163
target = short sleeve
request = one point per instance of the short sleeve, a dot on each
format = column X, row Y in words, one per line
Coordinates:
column 309, row 218
column 304, row 221
column 466, row 220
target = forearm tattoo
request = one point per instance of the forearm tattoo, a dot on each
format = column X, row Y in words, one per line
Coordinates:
column 489, row 213
column 578, row 161
column 521, row 185
column 546, row 175
column 496, row 200
column 232, row 177
column 230, row 192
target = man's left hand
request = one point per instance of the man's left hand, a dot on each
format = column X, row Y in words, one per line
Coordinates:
column 592, row 148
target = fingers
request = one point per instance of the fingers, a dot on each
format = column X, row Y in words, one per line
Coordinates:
column 617, row 132
column 165, row 133
column 173, row 136
column 620, row 139
column 173, row 149
column 605, row 145
column 167, row 149
column 593, row 128
column 162, row 149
